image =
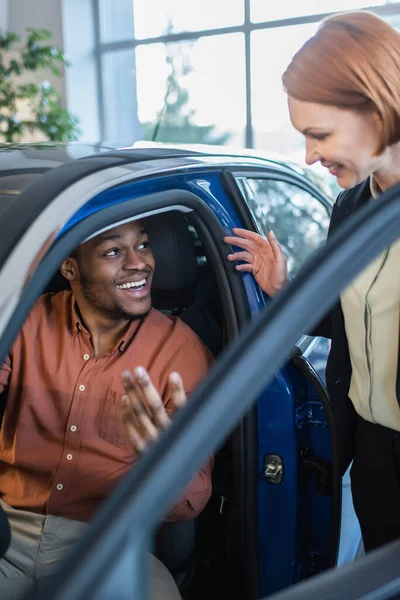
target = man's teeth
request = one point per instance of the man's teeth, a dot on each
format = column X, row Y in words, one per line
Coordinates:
column 132, row 284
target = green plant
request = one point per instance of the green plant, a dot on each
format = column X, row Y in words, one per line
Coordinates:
column 42, row 101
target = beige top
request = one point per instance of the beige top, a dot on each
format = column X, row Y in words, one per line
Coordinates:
column 371, row 308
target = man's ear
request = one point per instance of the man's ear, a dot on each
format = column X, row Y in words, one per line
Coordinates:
column 69, row 269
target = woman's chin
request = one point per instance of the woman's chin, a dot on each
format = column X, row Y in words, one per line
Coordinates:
column 347, row 179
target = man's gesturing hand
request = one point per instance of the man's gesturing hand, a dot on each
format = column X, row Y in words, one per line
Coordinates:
column 143, row 411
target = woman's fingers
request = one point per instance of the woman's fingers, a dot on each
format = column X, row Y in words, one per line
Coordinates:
column 251, row 236
column 276, row 247
column 240, row 243
column 249, row 241
column 245, row 267
column 246, row 256
column 281, row 274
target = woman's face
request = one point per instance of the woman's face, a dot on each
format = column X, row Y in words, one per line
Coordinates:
column 342, row 140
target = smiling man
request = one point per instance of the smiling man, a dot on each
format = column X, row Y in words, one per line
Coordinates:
column 69, row 382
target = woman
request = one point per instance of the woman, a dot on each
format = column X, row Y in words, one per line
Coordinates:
column 343, row 90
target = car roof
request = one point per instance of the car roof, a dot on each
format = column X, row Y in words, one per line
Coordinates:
column 21, row 164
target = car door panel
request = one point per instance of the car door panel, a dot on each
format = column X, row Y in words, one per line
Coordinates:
column 277, row 403
column 207, row 187
column 313, row 520
column 240, row 376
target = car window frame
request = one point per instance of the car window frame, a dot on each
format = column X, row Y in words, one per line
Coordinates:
column 236, row 305
column 256, row 172
column 106, row 217
column 299, row 181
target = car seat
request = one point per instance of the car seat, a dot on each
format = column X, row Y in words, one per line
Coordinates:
column 181, row 286
column 5, row 533
column 186, row 289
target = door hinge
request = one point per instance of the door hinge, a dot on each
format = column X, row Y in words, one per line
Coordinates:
column 311, row 413
column 273, row 468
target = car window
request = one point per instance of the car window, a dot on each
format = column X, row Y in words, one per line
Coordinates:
column 299, row 220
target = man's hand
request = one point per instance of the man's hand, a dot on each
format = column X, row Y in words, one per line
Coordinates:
column 263, row 258
column 143, row 411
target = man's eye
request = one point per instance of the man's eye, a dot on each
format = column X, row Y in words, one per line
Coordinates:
column 143, row 246
column 112, row 252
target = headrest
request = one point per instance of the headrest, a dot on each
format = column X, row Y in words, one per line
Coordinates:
column 172, row 246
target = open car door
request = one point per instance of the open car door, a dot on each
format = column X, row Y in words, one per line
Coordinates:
column 110, row 562
column 114, row 549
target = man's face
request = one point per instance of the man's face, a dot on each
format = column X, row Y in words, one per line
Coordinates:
column 115, row 271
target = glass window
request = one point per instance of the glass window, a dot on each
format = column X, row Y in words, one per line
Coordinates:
column 299, row 221
column 119, row 97
column 193, row 92
column 394, row 21
column 116, row 20
column 271, row 125
column 158, row 17
column 263, row 10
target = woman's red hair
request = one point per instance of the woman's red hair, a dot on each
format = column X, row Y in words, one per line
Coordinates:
column 353, row 62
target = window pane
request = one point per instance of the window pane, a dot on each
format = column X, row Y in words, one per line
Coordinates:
column 119, row 97
column 264, row 10
column 195, row 90
column 299, row 221
column 394, row 21
column 116, row 20
column 271, row 124
column 157, row 17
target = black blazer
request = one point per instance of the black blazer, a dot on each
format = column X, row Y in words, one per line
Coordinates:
column 338, row 370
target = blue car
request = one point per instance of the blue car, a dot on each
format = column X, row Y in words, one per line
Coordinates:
column 275, row 516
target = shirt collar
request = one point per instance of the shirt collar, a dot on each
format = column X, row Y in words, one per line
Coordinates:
column 76, row 324
column 122, row 343
column 374, row 187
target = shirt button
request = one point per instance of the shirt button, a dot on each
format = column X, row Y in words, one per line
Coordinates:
column 82, row 388
column 69, row 456
column 73, row 428
column 86, row 357
column 60, row 486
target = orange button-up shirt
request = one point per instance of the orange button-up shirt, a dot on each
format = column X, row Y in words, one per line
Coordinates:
column 63, row 445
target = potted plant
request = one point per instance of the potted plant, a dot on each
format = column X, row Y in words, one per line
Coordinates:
column 30, row 104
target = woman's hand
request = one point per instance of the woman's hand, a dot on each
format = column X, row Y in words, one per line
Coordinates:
column 263, row 258
column 143, row 411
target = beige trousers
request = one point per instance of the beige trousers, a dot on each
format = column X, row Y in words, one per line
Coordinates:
column 39, row 543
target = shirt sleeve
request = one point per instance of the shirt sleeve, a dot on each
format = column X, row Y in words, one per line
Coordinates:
column 5, row 371
column 192, row 363
column 195, row 496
